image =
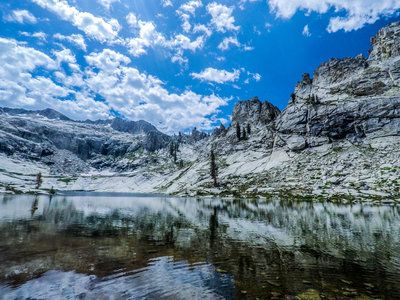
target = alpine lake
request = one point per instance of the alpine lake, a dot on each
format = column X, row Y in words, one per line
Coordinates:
column 130, row 246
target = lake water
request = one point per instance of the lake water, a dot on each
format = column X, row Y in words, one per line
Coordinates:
column 108, row 246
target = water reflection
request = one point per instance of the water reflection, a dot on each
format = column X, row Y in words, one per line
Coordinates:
column 157, row 247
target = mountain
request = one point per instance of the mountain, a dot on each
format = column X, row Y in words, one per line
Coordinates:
column 338, row 137
column 50, row 137
column 48, row 113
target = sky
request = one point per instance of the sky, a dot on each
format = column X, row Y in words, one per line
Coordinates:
column 177, row 64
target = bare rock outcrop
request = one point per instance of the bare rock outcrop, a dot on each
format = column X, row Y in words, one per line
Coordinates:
column 353, row 98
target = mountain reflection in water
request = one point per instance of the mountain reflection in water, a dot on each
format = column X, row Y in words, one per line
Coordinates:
column 155, row 247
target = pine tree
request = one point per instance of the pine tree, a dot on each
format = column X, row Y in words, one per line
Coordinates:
column 213, row 168
column 176, row 149
column 244, row 137
column 39, row 180
column 248, row 129
column 238, row 131
column 173, row 150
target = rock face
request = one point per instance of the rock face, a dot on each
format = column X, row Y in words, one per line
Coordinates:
column 43, row 135
column 254, row 112
column 352, row 98
column 132, row 126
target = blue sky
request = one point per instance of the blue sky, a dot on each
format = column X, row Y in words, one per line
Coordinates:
column 176, row 64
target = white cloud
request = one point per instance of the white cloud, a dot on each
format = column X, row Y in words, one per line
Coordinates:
column 166, row 3
column 228, row 42
column 19, row 88
column 132, row 20
column 16, row 57
column 93, row 26
column 268, row 26
column 141, row 96
column 306, row 31
column 191, row 6
column 221, row 17
column 107, row 3
column 358, row 12
column 242, row 3
column 186, row 10
column 148, row 36
column 107, row 59
column 183, row 42
column 76, row 39
column 251, row 76
column 218, row 76
column 21, row 16
column 257, row 77
column 39, row 35
column 125, row 89
column 201, row 28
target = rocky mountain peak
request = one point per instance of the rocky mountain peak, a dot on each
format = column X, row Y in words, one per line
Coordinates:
column 352, row 78
column 255, row 112
column 386, row 43
column 133, row 127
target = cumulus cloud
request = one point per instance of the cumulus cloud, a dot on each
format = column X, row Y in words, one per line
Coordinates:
column 141, row 96
column 221, row 17
column 132, row 20
column 107, row 3
column 217, row 76
column 228, row 42
column 21, row 16
column 125, row 89
column 183, row 42
column 166, row 3
column 19, row 88
column 148, row 36
column 76, row 39
column 201, row 28
column 358, row 13
column 251, row 76
column 186, row 10
column 107, row 59
column 39, row 34
column 93, row 26
column 232, row 41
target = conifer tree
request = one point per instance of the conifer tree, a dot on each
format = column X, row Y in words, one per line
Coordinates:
column 39, row 180
column 248, row 129
column 244, row 136
column 176, row 149
column 238, row 131
column 213, row 168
